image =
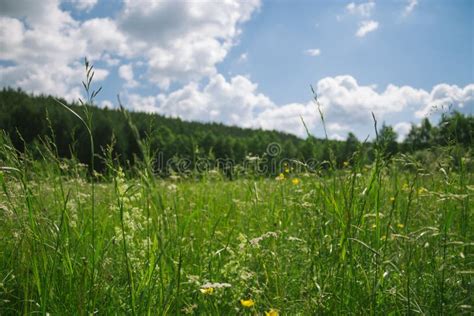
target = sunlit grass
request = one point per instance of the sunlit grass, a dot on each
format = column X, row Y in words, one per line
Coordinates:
column 391, row 237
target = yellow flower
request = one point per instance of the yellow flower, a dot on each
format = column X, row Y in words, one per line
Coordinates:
column 400, row 225
column 346, row 163
column 392, row 199
column 295, row 181
column 422, row 190
column 247, row 303
column 207, row 290
column 287, row 170
column 280, row 177
column 272, row 312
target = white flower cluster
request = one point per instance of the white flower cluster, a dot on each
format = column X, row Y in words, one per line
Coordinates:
column 215, row 285
column 134, row 222
column 256, row 241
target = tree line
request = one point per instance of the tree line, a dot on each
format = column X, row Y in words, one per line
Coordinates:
column 28, row 120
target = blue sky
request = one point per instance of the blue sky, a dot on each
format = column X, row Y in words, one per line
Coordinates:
column 250, row 63
column 431, row 45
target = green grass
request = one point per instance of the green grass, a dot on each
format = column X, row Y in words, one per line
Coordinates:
column 389, row 238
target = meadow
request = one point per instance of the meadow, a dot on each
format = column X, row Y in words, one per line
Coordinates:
column 391, row 237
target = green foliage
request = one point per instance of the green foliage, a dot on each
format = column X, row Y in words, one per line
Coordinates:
column 388, row 140
column 393, row 237
column 29, row 120
column 421, row 137
column 24, row 118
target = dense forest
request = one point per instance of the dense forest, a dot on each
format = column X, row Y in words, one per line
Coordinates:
column 30, row 121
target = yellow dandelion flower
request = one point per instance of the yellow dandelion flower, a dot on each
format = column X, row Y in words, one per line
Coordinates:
column 400, row 225
column 247, row 303
column 295, row 181
column 207, row 290
column 272, row 312
column 287, row 170
column 280, row 177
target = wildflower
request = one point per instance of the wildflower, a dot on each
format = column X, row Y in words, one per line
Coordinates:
column 400, row 225
column 247, row 303
column 392, row 199
column 422, row 190
column 272, row 312
column 295, row 181
column 172, row 187
column 189, row 309
column 346, row 163
column 63, row 166
column 255, row 241
column 216, row 285
column 280, row 177
column 291, row 238
column 207, row 290
column 287, row 170
column 246, row 275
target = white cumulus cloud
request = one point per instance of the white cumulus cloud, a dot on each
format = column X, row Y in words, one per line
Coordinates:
column 183, row 41
column 444, row 95
column 234, row 102
column 178, row 41
column 85, row 5
column 402, row 129
column 243, row 58
column 346, row 104
column 313, row 52
column 362, row 9
column 45, row 46
column 126, row 73
column 411, row 4
column 366, row 27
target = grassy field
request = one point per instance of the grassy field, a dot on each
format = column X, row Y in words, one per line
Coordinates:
column 393, row 238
